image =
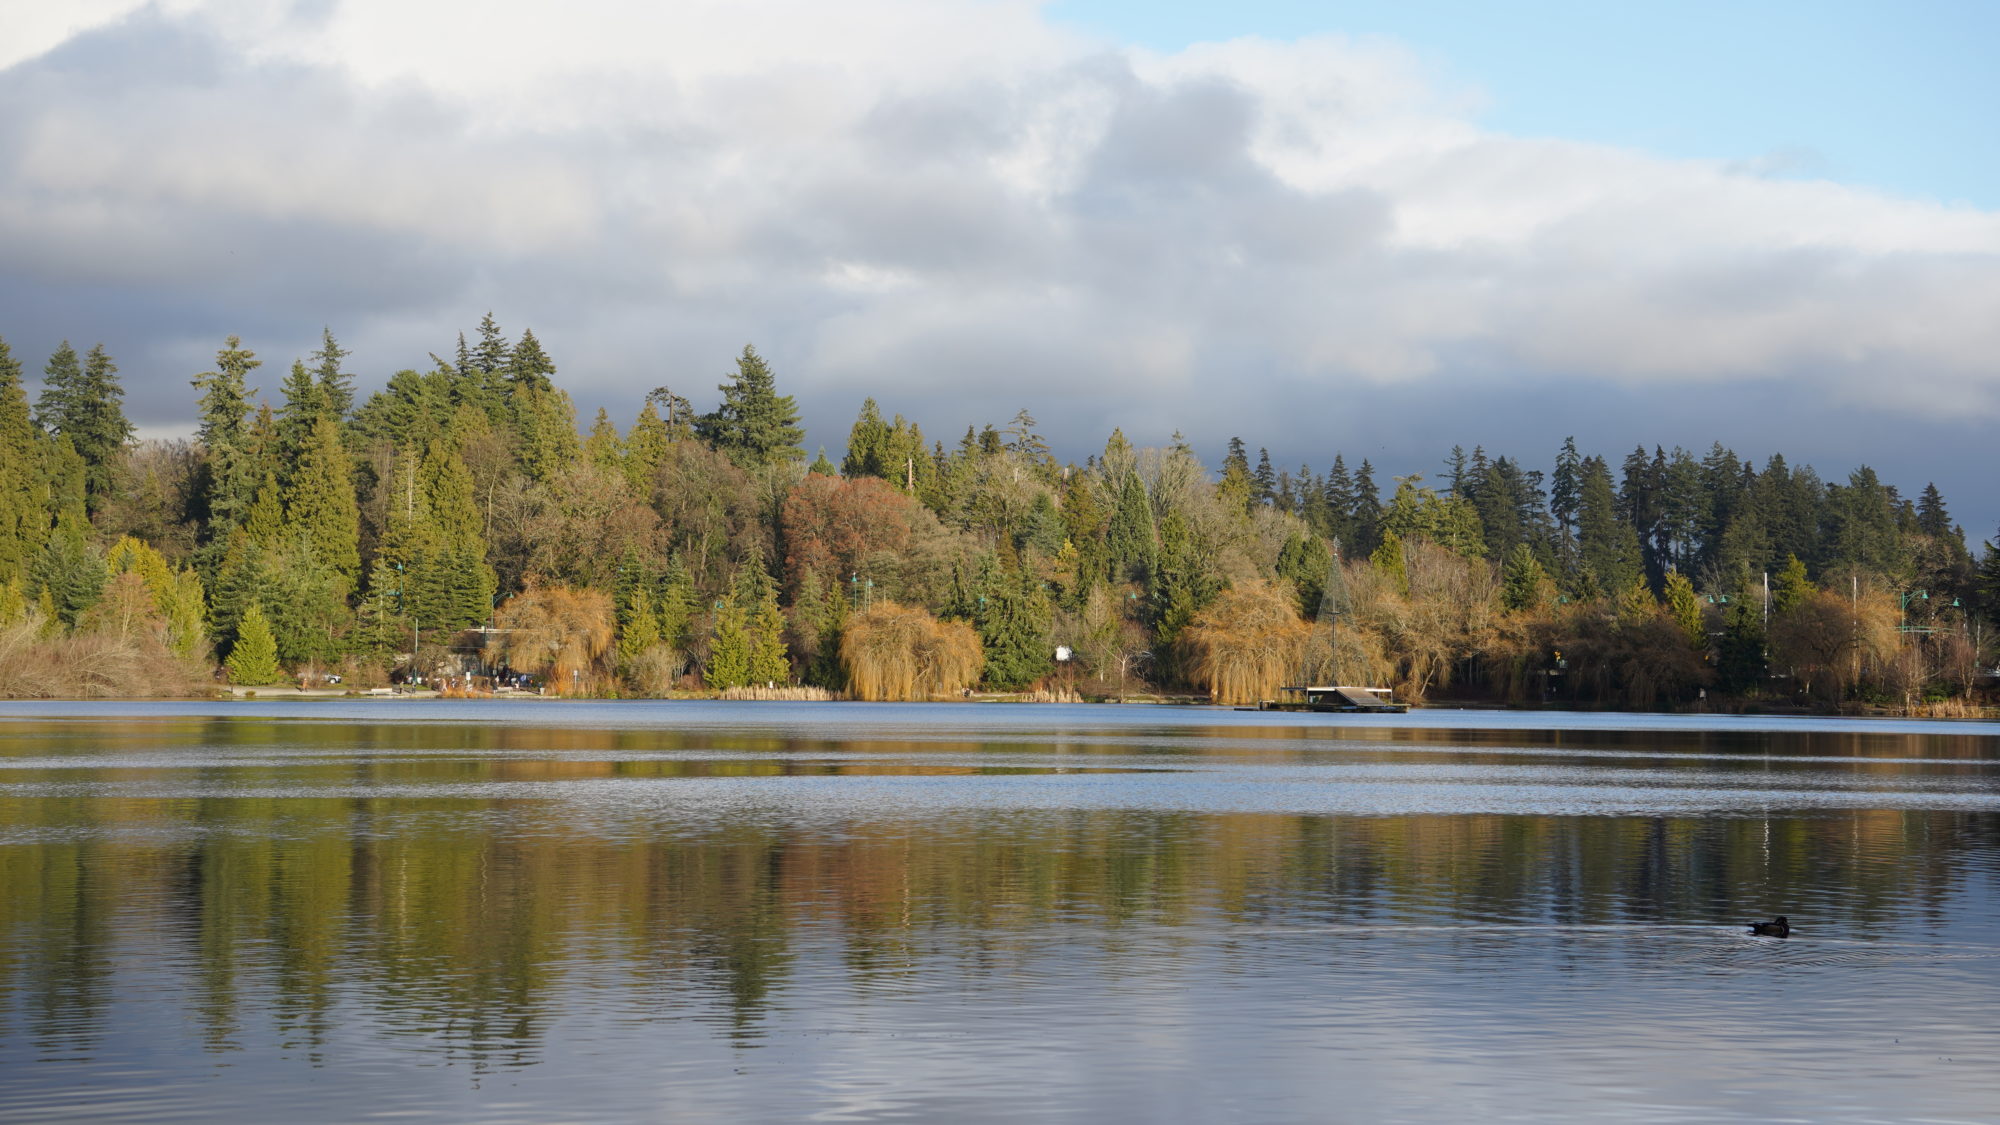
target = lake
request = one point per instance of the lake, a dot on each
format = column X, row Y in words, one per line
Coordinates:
column 545, row 911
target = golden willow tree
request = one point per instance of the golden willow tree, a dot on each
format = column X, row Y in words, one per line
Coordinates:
column 894, row 652
column 1247, row 642
column 560, row 633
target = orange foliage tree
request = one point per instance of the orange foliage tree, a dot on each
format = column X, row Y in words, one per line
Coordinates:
column 894, row 652
column 557, row 632
column 1247, row 642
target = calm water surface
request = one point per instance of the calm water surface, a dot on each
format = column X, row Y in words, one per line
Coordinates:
column 711, row 912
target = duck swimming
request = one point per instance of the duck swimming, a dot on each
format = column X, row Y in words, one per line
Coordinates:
column 1776, row 927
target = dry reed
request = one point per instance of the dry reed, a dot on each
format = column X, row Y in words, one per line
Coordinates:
column 91, row 666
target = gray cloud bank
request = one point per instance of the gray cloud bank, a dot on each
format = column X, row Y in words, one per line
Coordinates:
column 963, row 210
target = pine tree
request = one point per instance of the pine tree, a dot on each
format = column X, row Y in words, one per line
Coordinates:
column 1685, row 608
column 1013, row 621
column 546, row 422
column 728, row 647
column 1606, row 545
column 253, row 659
column 319, row 505
column 1181, row 584
column 1565, row 488
column 1366, row 516
column 304, row 405
column 336, row 387
column 756, row 597
column 1387, row 559
column 85, row 407
column 1303, row 561
column 603, row 448
column 1523, row 582
column 641, row 629
column 1791, row 587
column 1263, row 482
column 645, row 447
column 1236, row 488
column 528, row 366
column 228, row 484
column 867, row 444
column 67, row 576
column 1739, row 660
column 23, row 513
column 822, row 466
column 678, row 602
column 265, row 521
column 1129, row 540
column 754, row 425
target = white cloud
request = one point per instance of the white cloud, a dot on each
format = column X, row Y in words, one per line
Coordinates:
column 954, row 197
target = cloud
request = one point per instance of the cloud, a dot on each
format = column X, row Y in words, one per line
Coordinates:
column 956, row 206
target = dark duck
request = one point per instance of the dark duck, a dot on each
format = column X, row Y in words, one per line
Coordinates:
column 1776, row 927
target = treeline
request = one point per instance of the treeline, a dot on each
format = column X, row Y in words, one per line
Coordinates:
column 310, row 532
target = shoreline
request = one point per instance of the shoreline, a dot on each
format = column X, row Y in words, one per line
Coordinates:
column 235, row 694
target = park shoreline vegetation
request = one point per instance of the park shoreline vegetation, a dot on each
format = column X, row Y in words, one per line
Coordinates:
column 456, row 529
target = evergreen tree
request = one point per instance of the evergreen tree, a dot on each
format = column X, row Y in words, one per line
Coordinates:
column 639, row 628
column 228, row 485
column 1791, row 587
column 336, row 387
column 1263, row 482
column 84, row 405
column 1606, row 545
column 729, row 647
column 1455, row 473
column 528, row 366
column 1932, row 517
column 306, row 611
column 1365, row 518
column 645, row 447
column 320, row 506
column 23, row 511
column 754, row 425
column 1387, row 559
column 240, row 580
column 1565, row 488
column 1013, row 622
column 1236, row 488
column 603, row 447
column 67, row 577
column 1129, row 540
column 253, row 659
column 491, row 356
column 1685, row 608
column 1303, row 561
column 304, row 405
column 1861, row 524
column 1523, row 581
column 1181, row 584
column 867, row 444
column 822, row 466
column 757, row 597
column 1739, row 660
column 678, row 602
column 546, row 422
column 62, row 389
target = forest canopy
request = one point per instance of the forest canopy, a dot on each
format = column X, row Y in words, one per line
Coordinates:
column 456, row 523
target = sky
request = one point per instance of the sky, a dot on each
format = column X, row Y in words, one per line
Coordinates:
column 1381, row 229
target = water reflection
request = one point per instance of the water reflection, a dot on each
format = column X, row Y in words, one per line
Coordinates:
column 556, row 904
